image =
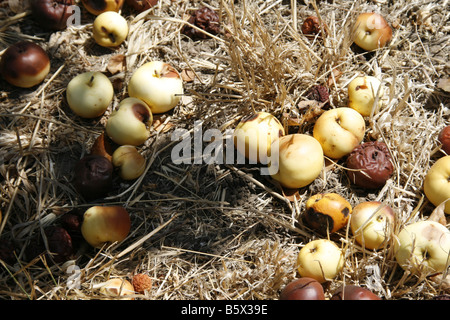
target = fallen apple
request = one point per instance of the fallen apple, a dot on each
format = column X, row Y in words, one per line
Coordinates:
column 130, row 123
column 110, row 29
column 321, row 260
column 254, row 134
column 303, row 289
column 372, row 224
column 362, row 93
column 436, row 185
column 339, row 131
column 130, row 162
column 327, row 212
column 97, row 7
column 158, row 84
column 423, row 247
column 89, row 94
column 371, row 31
column 24, row 64
column 105, row 224
column 299, row 161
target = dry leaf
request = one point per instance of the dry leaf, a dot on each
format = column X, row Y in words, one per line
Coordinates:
column 116, row 64
column 443, row 282
column 444, row 84
column 160, row 124
column 187, row 75
column 438, row 214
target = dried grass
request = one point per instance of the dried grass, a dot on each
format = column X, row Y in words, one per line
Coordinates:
column 220, row 231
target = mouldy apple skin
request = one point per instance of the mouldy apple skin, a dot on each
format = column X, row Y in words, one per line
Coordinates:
column 327, row 213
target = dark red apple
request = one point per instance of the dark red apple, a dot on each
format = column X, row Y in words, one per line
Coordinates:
column 52, row 14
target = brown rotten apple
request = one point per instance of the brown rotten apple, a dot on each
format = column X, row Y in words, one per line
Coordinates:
column 52, row 14
column 93, row 176
column 353, row 292
column 444, row 139
column 304, row 288
column 141, row 5
column 24, row 64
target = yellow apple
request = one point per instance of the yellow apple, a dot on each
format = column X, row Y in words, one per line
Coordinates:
column 436, row 185
column 371, row 31
column 362, row 92
column 254, row 135
column 298, row 161
column 372, row 224
column 158, row 84
column 105, row 224
column 130, row 162
column 423, row 247
column 321, row 260
column 339, row 131
column 110, row 29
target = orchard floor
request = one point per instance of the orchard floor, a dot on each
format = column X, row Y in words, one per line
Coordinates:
column 219, row 230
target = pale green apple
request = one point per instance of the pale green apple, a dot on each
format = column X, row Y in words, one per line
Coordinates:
column 89, row 94
column 362, row 93
column 372, row 224
column 130, row 123
column 158, row 84
column 110, row 29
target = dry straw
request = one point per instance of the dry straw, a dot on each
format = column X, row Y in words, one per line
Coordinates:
column 220, row 231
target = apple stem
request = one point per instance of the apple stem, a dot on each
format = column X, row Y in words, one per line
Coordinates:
column 91, row 80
